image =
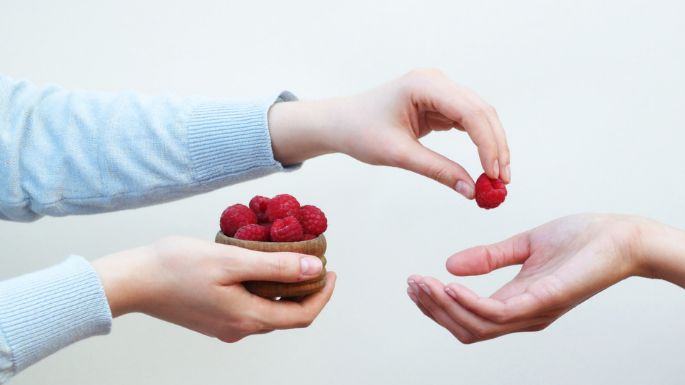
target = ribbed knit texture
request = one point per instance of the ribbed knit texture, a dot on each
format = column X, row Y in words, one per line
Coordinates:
column 44, row 311
column 228, row 139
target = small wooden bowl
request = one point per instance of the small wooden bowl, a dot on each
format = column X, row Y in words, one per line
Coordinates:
column 267, row 289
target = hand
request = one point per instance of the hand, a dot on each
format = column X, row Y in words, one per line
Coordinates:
column 196, row 284
column 383, row 127
column 564, row 262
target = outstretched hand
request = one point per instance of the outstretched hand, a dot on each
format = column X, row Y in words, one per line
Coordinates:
column 564, row 262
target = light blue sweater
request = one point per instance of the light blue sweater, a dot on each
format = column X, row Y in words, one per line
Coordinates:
column 74, row 152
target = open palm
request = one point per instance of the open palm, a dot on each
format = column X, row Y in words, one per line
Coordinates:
column 564, row 262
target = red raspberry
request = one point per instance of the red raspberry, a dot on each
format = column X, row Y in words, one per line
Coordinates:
column 235, row 217
column 490, row 193
column 307, row 237
column 258, row 205
column 287, row 229
column 252, row 232
column 312, row 219
column 282, row 206
column 267, row 226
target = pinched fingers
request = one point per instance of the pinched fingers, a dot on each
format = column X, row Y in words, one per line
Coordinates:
column 470, row 112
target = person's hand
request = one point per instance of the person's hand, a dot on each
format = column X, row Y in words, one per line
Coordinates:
column 383, row 127
column 196, row 284
column 564, row 262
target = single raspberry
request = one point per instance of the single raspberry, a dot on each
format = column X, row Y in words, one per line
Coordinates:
column 312, row 219
column 307, row 237
column 282, row 206
column 258, row 205
column 490, row 193
column 287, row 229
column 252, row 232
column 235, row 217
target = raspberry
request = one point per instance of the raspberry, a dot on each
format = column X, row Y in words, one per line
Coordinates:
column 287, row 229
column 267, row 226
column 282, row 206
column 258, row 205
column 252, row 232
column 313, row 220
column 490, row 193
column 235, row 217
column 307, row 237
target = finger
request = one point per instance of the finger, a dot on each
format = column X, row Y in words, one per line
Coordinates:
column 480, row 328
column 484, row 259
column 290, row 315
column 441, row 317
column 247, row 265
column 411, row 292
column 454, row 102
column 519, row 307
column 429, row 163
column 502, row 146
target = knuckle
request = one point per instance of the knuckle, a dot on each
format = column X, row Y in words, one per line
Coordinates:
column 425, row 72
column 467, row 340
column 439, row 174
column 304, row 323
column 480, row 331
column 502, row 316
column 230, row 339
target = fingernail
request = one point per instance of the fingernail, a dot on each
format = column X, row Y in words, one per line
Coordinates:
column 310, row 265
column 425, row 288
column 507, row 173
column 464, row 189
column 411, row 294
column 451, row 293
column 495, row 168
column 414, row 286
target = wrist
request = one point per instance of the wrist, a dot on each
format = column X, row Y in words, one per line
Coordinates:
column 660, row 252
column 301, row 130
column 120, row 275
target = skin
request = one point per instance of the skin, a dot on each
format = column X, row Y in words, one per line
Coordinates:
column 563, row 263
column 196, row 284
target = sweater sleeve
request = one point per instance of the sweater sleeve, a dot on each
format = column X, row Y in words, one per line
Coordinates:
column 73, row 152
column 44, row 311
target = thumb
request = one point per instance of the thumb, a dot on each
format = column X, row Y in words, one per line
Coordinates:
column 484, row 259
column 427, row 162
column 250, row 265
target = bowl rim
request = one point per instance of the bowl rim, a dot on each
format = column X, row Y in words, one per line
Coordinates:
column 321, row 237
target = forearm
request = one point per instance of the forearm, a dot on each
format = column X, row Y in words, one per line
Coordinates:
column 47, row 310
column 73, row 152
column 662, row 252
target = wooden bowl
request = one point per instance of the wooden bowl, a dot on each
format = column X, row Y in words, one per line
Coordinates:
column 267, row 289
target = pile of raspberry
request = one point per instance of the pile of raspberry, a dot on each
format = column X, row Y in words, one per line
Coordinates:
column 277, row 219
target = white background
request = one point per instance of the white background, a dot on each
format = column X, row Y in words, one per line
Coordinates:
column 591, row 94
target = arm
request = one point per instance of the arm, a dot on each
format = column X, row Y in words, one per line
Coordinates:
column 564, row 262
column 72, row 152
column 192, row 283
